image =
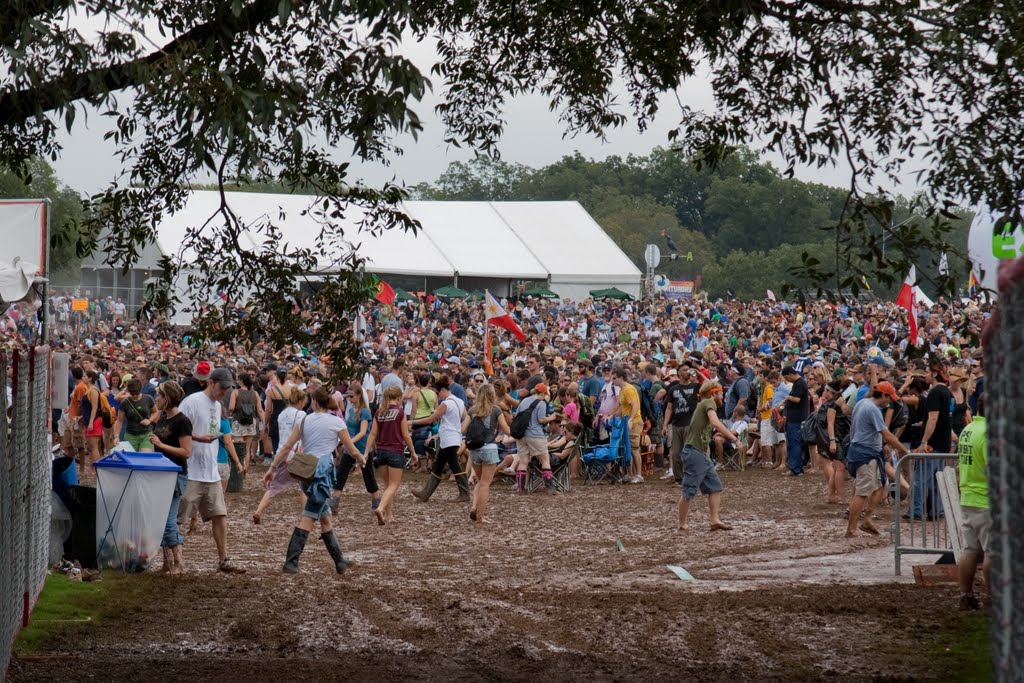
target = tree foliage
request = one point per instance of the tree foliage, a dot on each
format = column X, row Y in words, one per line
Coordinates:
column 291, row 91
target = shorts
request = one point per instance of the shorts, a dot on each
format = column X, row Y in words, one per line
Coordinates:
column 532, row 446
column 394, row 459
column 868, row 479
column 769, row 435
column 487, row 455
column 976, row 528
column 698, row 474
column 634, row 441
column 204, row 497
column 139, row 441
column 243, row 430
column 224, row 470
column 96, row 430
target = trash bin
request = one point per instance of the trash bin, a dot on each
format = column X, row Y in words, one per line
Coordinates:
column 134, row 493
column 81, row 545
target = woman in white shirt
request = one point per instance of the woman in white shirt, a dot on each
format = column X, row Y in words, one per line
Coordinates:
column 320, row 433
column 449, row 413
column 277, row 478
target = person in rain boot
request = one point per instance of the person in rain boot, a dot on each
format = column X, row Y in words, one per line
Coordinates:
column 319, row 432
column 534, row 444
column 449, row 413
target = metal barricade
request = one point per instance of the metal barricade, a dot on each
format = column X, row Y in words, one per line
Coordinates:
column 24, row 491
column 927, row 533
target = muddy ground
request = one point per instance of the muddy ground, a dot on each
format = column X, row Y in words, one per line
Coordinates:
column 541, row 592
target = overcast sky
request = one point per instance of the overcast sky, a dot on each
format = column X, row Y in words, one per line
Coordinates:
column 533, row 136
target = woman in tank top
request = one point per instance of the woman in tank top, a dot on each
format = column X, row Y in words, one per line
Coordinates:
column 390, row 436
column 485, row 459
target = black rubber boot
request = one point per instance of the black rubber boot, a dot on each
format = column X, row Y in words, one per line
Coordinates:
column 428, row 489
column 295, row 548
column 334, row 548
column 463, row 484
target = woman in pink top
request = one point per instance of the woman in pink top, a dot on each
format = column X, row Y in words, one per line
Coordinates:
column 567, row 399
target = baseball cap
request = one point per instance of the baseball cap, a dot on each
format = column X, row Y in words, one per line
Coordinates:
column 454, row 360
column 541, row 388
column 202, row 370
column 887, row 389
column 838, row 372
column 222, row 376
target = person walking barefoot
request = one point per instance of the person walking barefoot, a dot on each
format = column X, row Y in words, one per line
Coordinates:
column 277, row 478
column 698, row 470
column 390, row 435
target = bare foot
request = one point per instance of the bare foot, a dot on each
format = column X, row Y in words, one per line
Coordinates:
column 256, row 519
column 380, row 516
column 851, row 534
column 684, row 529
column 193, row 523
column 177, row 569
column 472, row 515
column 869, row 528
column 721, row 526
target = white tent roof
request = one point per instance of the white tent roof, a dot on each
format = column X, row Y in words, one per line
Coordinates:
column 515, row 240
column 569, row 243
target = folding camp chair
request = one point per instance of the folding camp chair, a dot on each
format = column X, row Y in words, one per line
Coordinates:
column 735, row 458
column 611, row 460
column 561, row 473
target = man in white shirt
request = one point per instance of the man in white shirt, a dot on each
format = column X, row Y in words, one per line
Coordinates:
column 203, row 492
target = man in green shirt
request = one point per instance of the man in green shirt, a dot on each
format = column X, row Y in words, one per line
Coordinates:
column 698, row 470
column 976, row 526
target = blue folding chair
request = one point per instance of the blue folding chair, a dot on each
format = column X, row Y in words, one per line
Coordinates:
column 611, row 460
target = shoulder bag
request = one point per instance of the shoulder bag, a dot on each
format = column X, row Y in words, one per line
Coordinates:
column 302, row 466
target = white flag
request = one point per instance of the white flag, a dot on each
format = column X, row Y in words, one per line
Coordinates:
column 943, row 265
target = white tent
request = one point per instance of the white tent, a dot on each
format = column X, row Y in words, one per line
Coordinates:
column 472, row 244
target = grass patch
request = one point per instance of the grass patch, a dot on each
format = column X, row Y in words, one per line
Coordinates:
column 64, row 605
column 966, row 647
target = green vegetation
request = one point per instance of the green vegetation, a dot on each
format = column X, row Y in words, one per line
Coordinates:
column 741, row 226
column 965, row 648
column 65, row 604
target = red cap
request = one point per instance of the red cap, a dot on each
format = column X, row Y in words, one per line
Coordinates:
column 887, row 389
column 202, row 370
column 540, row 388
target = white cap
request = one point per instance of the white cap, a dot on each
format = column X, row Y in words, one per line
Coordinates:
column 454, row 359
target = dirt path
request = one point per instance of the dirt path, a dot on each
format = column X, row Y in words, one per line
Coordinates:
column 543, row 592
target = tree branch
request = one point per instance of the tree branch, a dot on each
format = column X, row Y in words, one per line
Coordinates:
column 18, row 106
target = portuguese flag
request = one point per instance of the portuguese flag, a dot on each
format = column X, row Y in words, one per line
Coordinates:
column 383, row 292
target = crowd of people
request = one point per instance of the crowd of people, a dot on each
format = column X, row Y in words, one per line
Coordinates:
column 825, row 388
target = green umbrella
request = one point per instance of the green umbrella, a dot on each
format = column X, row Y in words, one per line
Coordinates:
column 402, row 295
column 611, row 293
column 540, row 293
column 451, row 293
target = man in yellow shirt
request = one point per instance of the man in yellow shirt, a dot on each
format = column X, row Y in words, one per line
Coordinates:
column 629, row 406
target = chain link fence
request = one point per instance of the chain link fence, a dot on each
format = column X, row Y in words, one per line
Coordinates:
column 1004, row 368
column 24, row 491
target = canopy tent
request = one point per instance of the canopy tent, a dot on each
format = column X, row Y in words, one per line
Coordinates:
column 402, row 295
column 611, row 293
column 475, row 245
column 17, row 278
column 540, row 293
column 451, row 293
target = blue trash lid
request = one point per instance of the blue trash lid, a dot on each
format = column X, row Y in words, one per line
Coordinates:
column 153, row 462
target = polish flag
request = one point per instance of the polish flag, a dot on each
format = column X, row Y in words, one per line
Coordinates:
column 496, row 315
column 905, row 299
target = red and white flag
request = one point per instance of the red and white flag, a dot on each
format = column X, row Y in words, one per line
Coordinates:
column 906, row 299
column 496, row 315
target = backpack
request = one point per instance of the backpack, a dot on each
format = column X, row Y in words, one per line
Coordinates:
column 900, row 415
column 587, row 414
column 476, row 433
column 521, row 421
column 756, row 390
column 809, row 428
column 646, row 404
column 245, row 413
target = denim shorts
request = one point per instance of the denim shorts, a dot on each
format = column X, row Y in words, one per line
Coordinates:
column 487, row 455
column 698, row 474
column 389, row 459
